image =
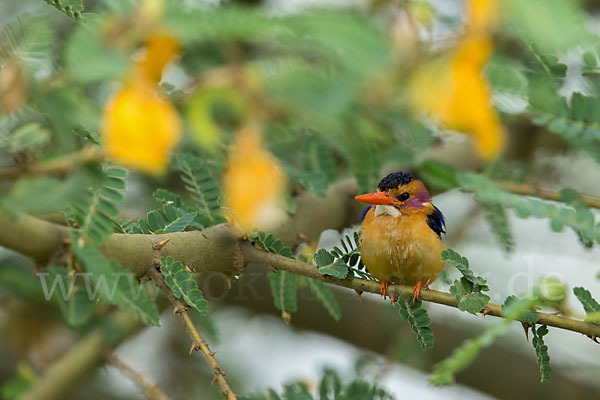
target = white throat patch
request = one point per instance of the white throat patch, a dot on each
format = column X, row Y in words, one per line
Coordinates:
column 389, row 210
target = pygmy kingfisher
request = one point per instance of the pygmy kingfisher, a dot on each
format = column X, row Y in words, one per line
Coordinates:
column 401, row 233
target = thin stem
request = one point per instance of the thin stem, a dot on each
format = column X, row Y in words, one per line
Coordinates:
column 61, row 164
column 252, row 254
column 529, row 190
column 199, row 342
column 148, row 388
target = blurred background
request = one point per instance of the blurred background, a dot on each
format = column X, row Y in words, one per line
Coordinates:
column 340, row 91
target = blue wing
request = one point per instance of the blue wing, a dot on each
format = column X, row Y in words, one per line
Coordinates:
column 364, row 213
column 437, row 222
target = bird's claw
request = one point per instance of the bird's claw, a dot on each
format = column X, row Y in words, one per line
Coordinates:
column 383, row 289
column 417, row 291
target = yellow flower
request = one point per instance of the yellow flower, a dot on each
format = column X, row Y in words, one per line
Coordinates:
column 159, row 50
column 253, row 184
column 140, row 128
column 453, row 90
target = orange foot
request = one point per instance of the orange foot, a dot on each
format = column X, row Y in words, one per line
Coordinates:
column 383, row 290
column 417, row 289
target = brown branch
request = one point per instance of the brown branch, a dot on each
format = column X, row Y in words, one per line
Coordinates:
column 198, row 342
column 251, row 254
column 61, row 164
column 529, row 190
column 68, row 371
column 148, row 388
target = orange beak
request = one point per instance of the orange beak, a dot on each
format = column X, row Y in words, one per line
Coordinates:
column 376, row 198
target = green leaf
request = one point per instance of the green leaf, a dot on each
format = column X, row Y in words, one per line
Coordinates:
column 418, row 320
column 488, row 193
column 520, row 309
column 438, row 174
column 203, row 187
column 462, row 264
column 29, row 137
column 271, row 244
column 327, row 265
column 28, row 39
column 89, row 56
column 325, row 296
column 25, row 194
column 77, row 307
column 181, row 283
column 541, row 352
column 469, row 298
column 463, row 356
column 72, row 8
column 284, row 286
column 590, row 305
column 496, row 216
column 114, row 285
column 97, row 212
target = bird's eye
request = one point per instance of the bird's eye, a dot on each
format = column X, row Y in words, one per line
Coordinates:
column 403, row 196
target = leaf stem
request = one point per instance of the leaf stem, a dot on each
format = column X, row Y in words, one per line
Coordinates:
column 61, row 164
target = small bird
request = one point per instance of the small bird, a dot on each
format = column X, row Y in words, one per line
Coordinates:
column 401, row 233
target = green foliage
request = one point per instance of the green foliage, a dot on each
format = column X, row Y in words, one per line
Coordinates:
column 24, row 196
column 349, row 251
column 88, row 56
column 325, row 296
column 590, row 305
column 486, row 192
column 445, row 371
column 170, row 219
column 469, row 296
column 271, row 244
column 115, row 285
column 520, row 309
column 328, row 265
column 496, row 216
column 77, row 307
column 179, row 279
column 438, row 174
column 30, row 137
column 203, row 187
column 461, row 263
column 284, row 287
column 28, row 39
column 95, row 215
column 13, row 389
column 541, row 352
column 417, row 318
column 72, row 8
column 331, row 387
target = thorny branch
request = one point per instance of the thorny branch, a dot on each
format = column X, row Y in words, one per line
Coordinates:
column 148, row 388
column 198, row 342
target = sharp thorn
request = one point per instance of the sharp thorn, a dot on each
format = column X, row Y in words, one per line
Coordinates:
column 526, row 327
column 161, row 244
column 359, row 294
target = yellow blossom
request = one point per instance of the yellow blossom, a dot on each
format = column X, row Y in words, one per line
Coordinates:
column 454, row 91
column 253, row 184
column 140, row 128
column 159, row 50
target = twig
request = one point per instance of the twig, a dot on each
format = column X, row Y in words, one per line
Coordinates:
column 252, row 254
column 529, row 190
column 60, row 164
column 69, row 370
column 199, row 342
column 148, row 388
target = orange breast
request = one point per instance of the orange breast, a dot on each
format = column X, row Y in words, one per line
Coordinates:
column 400, row 249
